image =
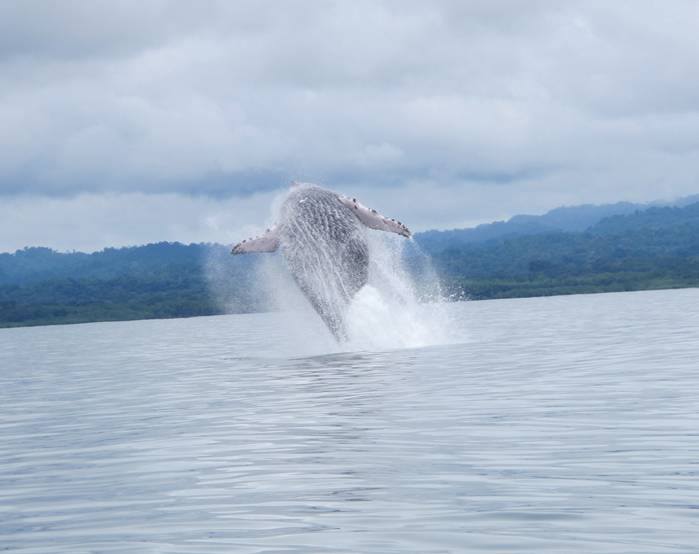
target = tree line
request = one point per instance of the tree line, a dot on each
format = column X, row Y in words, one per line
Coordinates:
column 646, row 249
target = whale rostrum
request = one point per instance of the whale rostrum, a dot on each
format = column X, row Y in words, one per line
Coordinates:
column 322, row 236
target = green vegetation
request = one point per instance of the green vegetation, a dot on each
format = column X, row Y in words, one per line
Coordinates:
column 122, row 298
column 654, row 249
column 39, row 286
column 647, row 249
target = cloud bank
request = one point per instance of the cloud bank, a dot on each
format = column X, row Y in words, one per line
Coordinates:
column 452, row 112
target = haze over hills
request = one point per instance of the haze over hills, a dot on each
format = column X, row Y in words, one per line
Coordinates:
column 576, row 249
column 565, row 218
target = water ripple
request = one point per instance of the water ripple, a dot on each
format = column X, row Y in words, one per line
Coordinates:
column 554, row 425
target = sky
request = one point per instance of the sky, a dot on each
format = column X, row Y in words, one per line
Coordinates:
column 139, row 121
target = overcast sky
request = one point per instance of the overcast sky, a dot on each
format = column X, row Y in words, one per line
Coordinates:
column 126, row 122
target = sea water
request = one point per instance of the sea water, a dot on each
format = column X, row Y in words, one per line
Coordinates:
column 564, row 424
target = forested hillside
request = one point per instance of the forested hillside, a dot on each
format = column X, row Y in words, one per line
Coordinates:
column 657, row 248
column 569, row 219
column 39, row 285
column 632, row 249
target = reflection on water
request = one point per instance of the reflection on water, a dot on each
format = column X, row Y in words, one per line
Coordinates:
column 555, row 425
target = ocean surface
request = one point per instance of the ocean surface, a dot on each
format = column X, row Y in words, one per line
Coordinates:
column 549, row 425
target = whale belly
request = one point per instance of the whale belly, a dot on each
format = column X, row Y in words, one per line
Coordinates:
column 325, row 248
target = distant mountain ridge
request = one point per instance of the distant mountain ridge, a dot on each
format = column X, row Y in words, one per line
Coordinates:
column 36, row 264
column 654, row 248
column 572, row 219
column 568, row 250
column 567, row 218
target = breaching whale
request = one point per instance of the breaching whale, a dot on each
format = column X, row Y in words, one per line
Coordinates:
column 323, row 238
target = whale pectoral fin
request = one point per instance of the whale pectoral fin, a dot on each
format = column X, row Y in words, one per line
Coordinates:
column 373, row 219
column 269, row 242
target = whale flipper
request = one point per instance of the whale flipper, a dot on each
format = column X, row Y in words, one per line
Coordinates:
column 373, row 219
column 269, row 242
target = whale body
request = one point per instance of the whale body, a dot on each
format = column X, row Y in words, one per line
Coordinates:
column 322, row 236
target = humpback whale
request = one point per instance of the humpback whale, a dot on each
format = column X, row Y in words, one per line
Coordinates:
column 322, row 236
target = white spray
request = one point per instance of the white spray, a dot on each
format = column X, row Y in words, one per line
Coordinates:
column 400, row 306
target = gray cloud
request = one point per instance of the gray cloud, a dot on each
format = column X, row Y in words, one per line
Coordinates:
column 553, row 101
column 91, row 222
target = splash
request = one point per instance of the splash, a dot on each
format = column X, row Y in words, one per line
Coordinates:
column 401, row 306
column 394, row 303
